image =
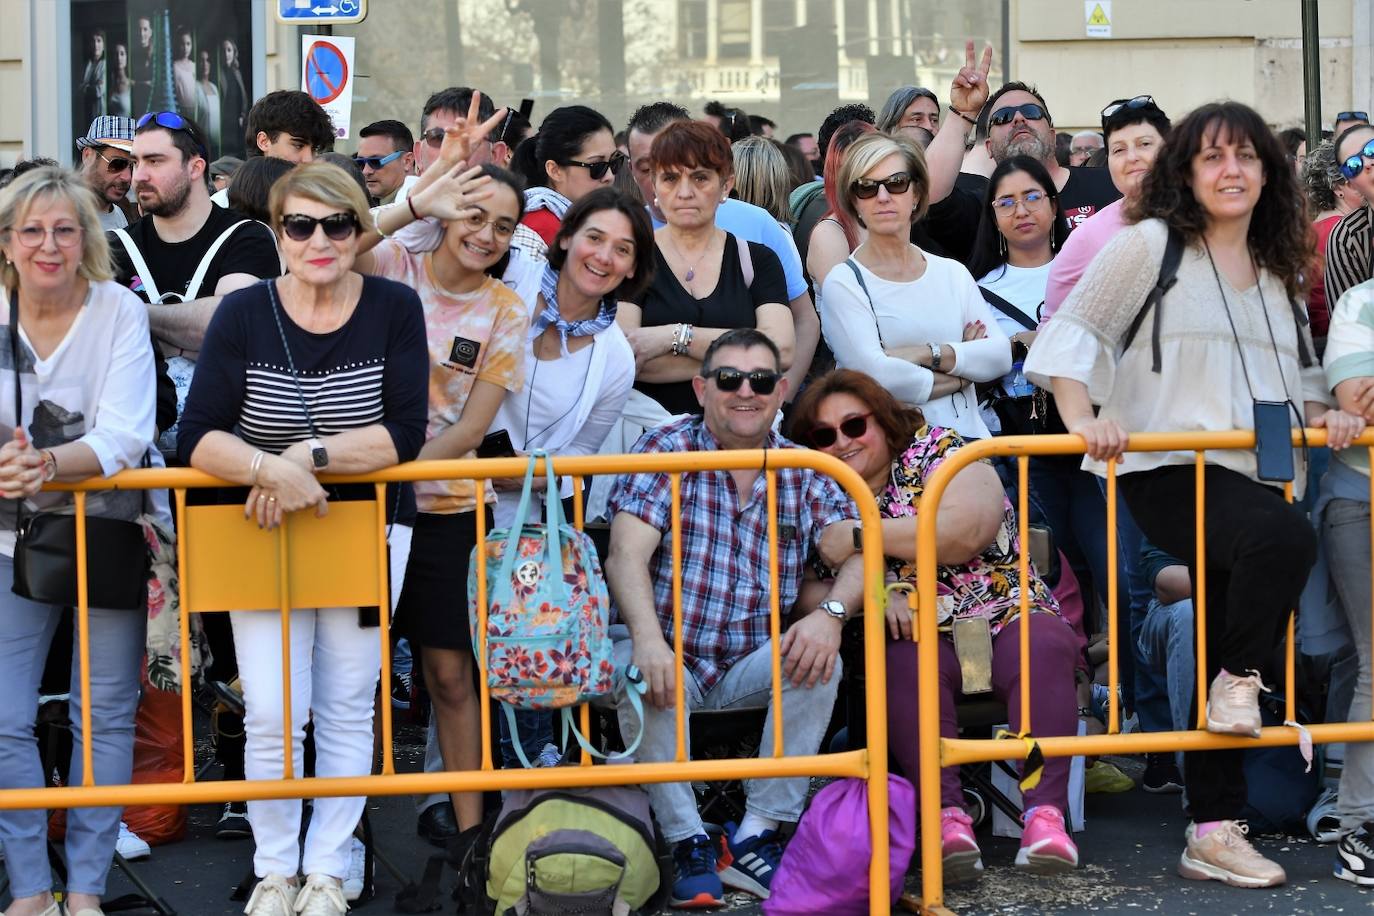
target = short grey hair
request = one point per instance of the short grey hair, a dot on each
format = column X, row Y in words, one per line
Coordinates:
column 42, row 187
column 1321, row 175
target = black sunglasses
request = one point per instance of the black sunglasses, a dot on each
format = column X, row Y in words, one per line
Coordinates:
column 117, row 164
column 1030, row 111
column 865, row 188
column 173, row 121
column 1140, row 101
column 853, row 428
column 337, row 226
column 761, row 381
column 598, row 169
column 1352, row 116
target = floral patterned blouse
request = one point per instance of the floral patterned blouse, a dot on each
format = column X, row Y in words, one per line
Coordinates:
column 989, row 585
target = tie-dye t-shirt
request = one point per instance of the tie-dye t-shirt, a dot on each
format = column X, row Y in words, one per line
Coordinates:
column 472, row 336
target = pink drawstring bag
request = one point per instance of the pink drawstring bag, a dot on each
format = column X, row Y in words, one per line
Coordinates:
column 824, row 868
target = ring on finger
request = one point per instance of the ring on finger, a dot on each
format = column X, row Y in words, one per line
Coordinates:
column 261, row 497
column 271, row 499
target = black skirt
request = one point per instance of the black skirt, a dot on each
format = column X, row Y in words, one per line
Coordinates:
column 433, row 608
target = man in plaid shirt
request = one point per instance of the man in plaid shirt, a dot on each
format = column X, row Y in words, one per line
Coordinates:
column 725, row 606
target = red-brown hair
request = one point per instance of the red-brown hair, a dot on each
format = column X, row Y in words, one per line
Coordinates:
column 899, row 422
column 690, row 145
column 840, row 142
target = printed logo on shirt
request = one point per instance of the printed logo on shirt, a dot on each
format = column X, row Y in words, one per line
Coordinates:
column 1076, row 216
column 464, row 352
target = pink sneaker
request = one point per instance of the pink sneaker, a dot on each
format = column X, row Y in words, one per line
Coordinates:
column 1045, row 846
column 963, row 860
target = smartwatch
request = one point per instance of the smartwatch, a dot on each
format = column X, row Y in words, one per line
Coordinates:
column 318, row 456
column 834, row 610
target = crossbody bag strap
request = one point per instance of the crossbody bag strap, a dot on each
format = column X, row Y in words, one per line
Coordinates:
column 858, row 275
column 290, row 363
column 1168, row 276
column 139, row 264
column 746, row 262
column 1006, row 308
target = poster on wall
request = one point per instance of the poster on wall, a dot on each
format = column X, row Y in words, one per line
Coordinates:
column 130, row 57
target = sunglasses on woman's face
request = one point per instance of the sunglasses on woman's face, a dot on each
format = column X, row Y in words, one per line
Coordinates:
column 597, row 170
column 337, row 226
column 867, row 188
column 1354, row 165
column 1030, row 111
column 761, row 381
column 853, row 428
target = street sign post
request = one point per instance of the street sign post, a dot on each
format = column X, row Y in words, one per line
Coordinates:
column 327, row 74
column 321, row 12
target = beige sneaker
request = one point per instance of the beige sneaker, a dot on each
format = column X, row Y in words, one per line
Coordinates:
column 322, row 896
column 275, row 895
column 1226, row 855
column 1233, row 704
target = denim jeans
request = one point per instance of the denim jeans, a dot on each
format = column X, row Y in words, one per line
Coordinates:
column 1166, row 647
column 1148, row 696
column 1345, row 532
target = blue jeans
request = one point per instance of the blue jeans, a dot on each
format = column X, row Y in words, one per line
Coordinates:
column 1151, row 697
column 1166, row 646
column 26, row 631
column 536, row 730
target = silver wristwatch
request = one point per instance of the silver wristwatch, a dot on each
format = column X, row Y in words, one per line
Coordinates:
column 935, row 356
column 834, row 609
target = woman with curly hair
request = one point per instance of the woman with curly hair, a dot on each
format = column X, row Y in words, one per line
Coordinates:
column 1225, row 343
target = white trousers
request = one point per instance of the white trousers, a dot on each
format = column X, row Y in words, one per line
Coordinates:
column 335, row 665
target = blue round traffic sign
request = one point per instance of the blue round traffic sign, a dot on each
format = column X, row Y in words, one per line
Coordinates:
column 326, row 72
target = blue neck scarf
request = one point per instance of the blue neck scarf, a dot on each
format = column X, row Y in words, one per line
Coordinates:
column 587, row 327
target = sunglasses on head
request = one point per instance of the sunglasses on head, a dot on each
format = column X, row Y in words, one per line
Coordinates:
column 1030, row 111
column 866, row 188
column 1140, row 101
column 117, row 164
column 173, row 121
column 761, row 381
column 337, row 226
column 597, row 170
column 1352, row 116
column 1354, row 165
column 826, row 436
column 376, row 162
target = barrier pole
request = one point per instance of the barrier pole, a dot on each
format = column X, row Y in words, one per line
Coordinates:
column 1023, row 524
column 1113, row 608
column 83, row 631
column 188, row 746
column 1290, row 666
column 284, row 602
column 1200, row 586
column 384, row 634
column 679, row 689
column 584, row 712
column 1370, row 455
column 483, row 687
column 774, row 615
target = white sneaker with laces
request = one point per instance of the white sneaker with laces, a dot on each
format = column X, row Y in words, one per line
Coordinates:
column 322, row 896
column 130, row 845
column 357, row 870
column 275, row 895
column 1233, row 704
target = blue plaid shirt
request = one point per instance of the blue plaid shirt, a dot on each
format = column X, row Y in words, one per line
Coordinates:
column 725, row 596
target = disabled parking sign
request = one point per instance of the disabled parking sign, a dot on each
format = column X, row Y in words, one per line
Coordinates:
column 327, row 75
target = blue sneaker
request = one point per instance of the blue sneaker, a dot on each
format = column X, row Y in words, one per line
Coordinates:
column 753, row 862
column 695, row 883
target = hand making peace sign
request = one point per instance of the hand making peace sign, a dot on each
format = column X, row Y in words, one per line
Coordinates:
column 969, row 90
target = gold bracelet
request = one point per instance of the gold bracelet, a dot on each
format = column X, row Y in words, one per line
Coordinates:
column 255, row 466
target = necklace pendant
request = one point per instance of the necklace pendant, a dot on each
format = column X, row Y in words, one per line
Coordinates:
column 691, row 274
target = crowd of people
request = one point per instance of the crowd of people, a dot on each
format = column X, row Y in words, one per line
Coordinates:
column 884, row 291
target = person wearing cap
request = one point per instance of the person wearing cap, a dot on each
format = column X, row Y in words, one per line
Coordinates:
column 222, row 170
column 107, row 168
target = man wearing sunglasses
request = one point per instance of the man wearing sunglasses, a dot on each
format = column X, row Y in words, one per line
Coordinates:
column 106, row 167
column 726, row 606
column 1350, row 249
column 441, row 111
column 385, row 157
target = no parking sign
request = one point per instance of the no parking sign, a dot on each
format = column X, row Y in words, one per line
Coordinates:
column 327, row 75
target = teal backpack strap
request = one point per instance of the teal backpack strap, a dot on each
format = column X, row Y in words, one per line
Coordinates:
column 635, row 688
column 509, row 713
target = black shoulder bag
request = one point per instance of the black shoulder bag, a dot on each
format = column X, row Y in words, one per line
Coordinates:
column 45, row 542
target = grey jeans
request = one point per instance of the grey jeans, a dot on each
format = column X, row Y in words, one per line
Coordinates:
column 1345, row 532
column 748, row 682
column 26, row 631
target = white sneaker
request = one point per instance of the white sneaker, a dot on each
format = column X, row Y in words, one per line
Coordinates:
column 321, row 896
column 274, row 896
column 130, row 845
column 357, row 870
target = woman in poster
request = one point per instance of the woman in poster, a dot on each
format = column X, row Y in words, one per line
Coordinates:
column 207, row 98
column 184, row 73
column 233, row 100
column 121, row 100
column 93, row 78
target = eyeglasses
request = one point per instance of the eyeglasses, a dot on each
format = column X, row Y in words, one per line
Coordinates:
column 503, row 228
column 761, row 381
column 866, row 188
column 173, row 121
column 826, row 436
column 597, row 170
column 1083, row 150
column 337, row 226
column 1352, row 116
column 1031, row 199
column 1354, row 165
column 117, row 164
column 376, row 162
column 1140, row 101
column 1030, row 111
column 65, row 236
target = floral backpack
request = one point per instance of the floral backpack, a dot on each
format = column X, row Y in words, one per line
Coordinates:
column 547, row 618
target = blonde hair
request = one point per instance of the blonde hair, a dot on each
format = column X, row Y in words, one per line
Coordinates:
column 322, row 182
column 43, row 186
column 865, row 153
column 762, row 177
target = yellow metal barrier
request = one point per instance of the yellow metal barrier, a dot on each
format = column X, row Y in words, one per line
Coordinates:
column 226, row 563
column 957, row 751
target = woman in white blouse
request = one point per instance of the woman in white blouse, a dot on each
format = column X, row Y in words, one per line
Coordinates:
column 914, row 321
column 1227, row 337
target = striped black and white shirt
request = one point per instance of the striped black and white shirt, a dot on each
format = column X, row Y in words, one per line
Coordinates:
column 372, row 370
column 1349, row 254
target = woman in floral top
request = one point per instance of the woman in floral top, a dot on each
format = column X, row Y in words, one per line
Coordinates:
column 849, row 415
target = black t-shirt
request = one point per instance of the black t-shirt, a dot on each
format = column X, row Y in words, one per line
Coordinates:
column 949, row 226
column 250, row 250
column 730, row 305
column 1087, row 191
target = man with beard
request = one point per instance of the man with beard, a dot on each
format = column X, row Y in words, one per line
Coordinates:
column 106, row 166
column 185, row 253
